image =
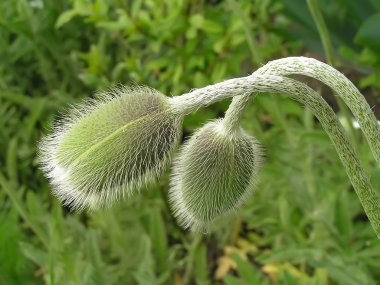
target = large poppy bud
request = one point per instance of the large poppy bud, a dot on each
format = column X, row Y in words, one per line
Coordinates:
column 106, row 148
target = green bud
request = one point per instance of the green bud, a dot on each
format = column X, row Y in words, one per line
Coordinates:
column 109, row 147
column 214, row 174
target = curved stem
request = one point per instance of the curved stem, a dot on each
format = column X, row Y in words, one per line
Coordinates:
column 234, row 112
column 349, row 158
column 341, row 86
column 302, row 93
column 329, row 52
column 197, row 98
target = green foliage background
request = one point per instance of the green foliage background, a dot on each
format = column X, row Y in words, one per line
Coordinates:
column 303, row 225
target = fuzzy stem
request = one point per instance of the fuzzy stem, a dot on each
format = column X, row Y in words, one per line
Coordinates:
column 342, row 86
column 234, row 112
column 349, row 158
column 302, row 93
column 328, row 48
column 203, row 97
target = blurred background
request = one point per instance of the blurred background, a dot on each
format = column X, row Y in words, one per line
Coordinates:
column 303, row 225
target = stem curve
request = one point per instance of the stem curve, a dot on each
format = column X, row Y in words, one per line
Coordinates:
column 341, row 86
column 263, row 81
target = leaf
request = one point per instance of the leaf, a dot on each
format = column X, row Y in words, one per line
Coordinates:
column 342, row 215
column 31, row 120
column 369, row 33
column 343, row 274
column 320, row 277
column 295, row 254
column 65, row 17
column 299, row 12
column 197, row 20
column 212, row 27
column 246, row 270
column 200, row 264
column 95, row 258
column 315, row 137
column 375, row 4
column 288, row 279
column 230, row 280
column 12, row 160
column 144, row 274
column 35, row 254
column 15, row 268
column 158, row 238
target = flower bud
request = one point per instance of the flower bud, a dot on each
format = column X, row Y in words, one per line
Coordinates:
column 106, row 148
column 214, row 174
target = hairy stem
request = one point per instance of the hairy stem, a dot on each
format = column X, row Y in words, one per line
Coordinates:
column 328, row 48
column 330, row 123
column 257, row 83
column 342, row 86
column 234, row 112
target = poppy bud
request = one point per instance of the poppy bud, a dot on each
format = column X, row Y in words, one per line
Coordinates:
column 214, row 174
column 106, row 148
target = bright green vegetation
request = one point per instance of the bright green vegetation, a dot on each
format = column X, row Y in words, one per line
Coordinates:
column 303, row 225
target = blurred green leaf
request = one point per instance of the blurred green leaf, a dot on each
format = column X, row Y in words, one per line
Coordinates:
column 66, row 17
column 369, row 33
column 247, row 272
column 145, row 272
column 158, row 235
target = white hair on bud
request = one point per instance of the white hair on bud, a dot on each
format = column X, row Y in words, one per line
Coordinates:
column 106, row 148
column 213, row 176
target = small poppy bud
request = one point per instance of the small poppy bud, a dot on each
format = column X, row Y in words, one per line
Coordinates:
column 106, row 148
column 214, row 174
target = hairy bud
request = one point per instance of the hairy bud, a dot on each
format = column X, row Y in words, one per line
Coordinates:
column 214, row 174
column 106, row 148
